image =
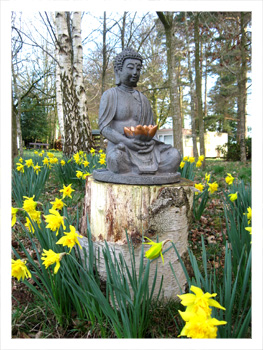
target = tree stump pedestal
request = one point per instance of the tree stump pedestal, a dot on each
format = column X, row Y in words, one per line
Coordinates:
column 163, row 210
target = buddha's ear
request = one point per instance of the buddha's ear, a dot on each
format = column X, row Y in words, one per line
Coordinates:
column 117, row 78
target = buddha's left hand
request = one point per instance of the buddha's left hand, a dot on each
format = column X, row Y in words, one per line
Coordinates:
column 147, row 147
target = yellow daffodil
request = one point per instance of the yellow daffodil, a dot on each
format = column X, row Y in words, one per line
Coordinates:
column 54, row 160
column 92, row 151
column 182, row 164
column 29, row 204
column 62, row 162
column 19, row 269
column 85, row 163
column 50, row 155
column 67, row 190
column 100, row 151
column 54, row 221
column 77, row 158
column 79, row 174
column 20, row 160
column 85, row 175
column 70, row 238
column 185, row 159
column 199, row 302
column 229, row 179
column 156, row 249
column 249, row 214
column 199, row 326
column 37, row 168
column 232, row 196
column 49, row 258
column 191, row 159
column 45, row 161
column 20, row 167
column 249, row 229
column 102, row 161
column 57, row 204
column 199, row 187
column 29, row 163
column 13, row 211
column 198, row 163
column 201, row 158
column 207, row 177
column 34, row 216
column 36, row 152
column 213, row 187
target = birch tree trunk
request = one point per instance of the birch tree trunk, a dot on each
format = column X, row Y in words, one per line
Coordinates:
column 76, row 124
column 59, row 99
column 192, row 91
column 198, row 85
column 17, row 111
column 168, row 23
column 242, row 90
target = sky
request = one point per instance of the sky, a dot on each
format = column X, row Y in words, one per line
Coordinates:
column 5, row 175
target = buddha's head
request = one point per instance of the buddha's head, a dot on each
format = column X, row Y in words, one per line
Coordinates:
column 128, row 63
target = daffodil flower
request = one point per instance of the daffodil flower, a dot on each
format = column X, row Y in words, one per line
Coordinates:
column 191, row 159
column 229, row 179
column 54, row 220
column 185, row 159
column 79, row 174
column 20, row 270
column 249, row 214
column 62, row 162
column 199, row 187
column 213, row 187
column 249, row 229
column 232, row 196
column 20, row 167
column 201, row 158
column 29, row 204
column 70, row 238
column 13, row 211
column 198, row 163
column 200, row 326
column 199, row 301
column 50, row 257
column 57, row 204
column 182, row 164
column 67, row 190
column 156, row 249
column 207, row 177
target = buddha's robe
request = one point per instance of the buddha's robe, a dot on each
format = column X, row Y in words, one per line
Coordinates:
column 120, row 107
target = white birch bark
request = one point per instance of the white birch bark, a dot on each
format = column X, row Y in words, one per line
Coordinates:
column 83, row 126
column 76, row 123
column 59, row 91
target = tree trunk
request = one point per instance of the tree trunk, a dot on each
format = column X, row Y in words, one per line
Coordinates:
column 192, row 93
column 242, row 88
column 198, row 85
column 76, row 124
column 168, row 23
column 59, row 98
column 14, row 134
column 104, row 57
column 17, row 112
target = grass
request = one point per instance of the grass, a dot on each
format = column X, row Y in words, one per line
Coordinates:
column 32, row 320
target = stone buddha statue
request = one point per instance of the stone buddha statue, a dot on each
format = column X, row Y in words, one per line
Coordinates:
column 130, row 159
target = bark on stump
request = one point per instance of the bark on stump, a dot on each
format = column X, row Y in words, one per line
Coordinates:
column 163, row 210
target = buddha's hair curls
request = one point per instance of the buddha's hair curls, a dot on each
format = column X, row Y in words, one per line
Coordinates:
column 126, row 53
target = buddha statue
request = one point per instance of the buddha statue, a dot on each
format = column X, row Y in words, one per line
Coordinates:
column 123, row 108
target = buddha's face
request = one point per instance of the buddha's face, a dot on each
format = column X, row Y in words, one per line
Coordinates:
column 130, row 73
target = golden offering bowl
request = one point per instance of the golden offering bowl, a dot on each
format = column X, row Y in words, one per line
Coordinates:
column 141, row 132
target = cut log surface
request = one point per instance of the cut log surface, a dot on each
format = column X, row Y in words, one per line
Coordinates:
column 158, row 210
